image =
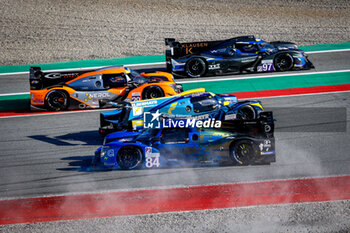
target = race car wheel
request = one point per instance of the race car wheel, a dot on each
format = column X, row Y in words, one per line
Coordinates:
column 283, row 62
column 242, row 152
column 56, row 100
column 152, row 92
column 246, row 112
column 129, row 157
column 195, row 67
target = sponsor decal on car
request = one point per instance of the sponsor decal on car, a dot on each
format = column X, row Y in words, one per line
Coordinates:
column 265, row 66
column 214, row 67
column 152, row 159
column 59, row 75
column 265, row 146
column 98, row 95
column 145, row 103
column 231, row 117
column 136, row 96
column 136, row 111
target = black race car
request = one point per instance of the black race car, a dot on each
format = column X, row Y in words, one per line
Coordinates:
column 236, row 55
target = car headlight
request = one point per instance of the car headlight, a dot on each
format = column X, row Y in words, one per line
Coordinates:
column 125, row 140
column 106, row 150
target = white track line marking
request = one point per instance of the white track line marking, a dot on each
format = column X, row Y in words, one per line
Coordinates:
column 266, row 76
column 328, row 51
column 19, row 93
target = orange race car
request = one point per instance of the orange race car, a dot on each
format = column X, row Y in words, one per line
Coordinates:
column 57, row 91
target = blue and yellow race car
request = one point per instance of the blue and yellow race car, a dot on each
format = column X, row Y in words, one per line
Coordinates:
column 240, row 142
column 195, row 104
column 235, row 55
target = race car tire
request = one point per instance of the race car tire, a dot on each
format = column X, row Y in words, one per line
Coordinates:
column 246, row 112
column 56, row 100
column 129, row 157
column 152, row 92
column 195, row 67
column 283, row 62
column 242, row 152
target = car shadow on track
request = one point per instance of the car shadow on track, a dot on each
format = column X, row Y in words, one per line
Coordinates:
column 80, row 164
column 85, row 164
column 72, row 139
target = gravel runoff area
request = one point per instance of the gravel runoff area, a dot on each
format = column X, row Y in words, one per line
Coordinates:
column 327, row 217
column 44, row 31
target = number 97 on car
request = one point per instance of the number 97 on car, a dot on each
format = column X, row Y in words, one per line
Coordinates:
column 152, row 159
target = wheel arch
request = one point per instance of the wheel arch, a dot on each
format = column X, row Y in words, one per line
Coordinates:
column 288, row 53
column 57, row 89
column 152, row 86
column 201, row 58
column 134, row 146
column 237, row 141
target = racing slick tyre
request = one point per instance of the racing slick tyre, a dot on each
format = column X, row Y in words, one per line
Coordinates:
column 195, row 67
column 56, row 100
column 242, row 152
column 246, row 112
column 129, row 157
column 152, row 92
column 283, row 62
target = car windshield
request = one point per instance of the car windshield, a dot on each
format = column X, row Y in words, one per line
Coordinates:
column 136, row 77
column 219, row 99
column 267, row 46
column 204, row 103
column 147, row 135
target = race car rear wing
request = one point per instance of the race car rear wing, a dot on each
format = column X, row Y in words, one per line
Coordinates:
column 262, row 127
column 178, row 49
column 39, row 79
